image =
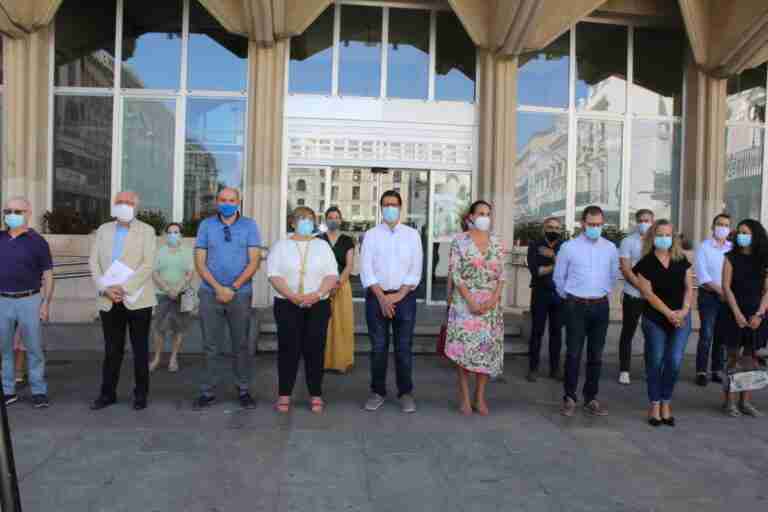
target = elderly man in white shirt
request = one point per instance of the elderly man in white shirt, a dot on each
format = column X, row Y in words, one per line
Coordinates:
column 709, row 273
column 586, row 270
column 392, row 259
column 632, row 302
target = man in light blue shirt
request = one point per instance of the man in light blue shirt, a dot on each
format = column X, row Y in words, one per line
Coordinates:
column 712, row 306
column 586, row 270
column 227, row 255
column 632, row 303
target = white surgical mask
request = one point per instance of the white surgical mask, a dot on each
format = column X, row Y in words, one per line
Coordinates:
column 482, row 223
column 722, row 232
column 123, row 212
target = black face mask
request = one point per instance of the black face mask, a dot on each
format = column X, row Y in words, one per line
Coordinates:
column 552, row 236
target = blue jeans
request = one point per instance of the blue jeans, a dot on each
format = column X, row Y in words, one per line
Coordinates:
column 379, row 331
column 26, row 313
column 711, row 311
column 584, row 323
column 664, row 352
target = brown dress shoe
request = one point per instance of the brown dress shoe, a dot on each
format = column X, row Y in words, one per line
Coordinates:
column 594, row 408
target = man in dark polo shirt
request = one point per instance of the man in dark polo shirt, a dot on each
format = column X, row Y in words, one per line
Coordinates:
column 26, row 289
column 545, row 303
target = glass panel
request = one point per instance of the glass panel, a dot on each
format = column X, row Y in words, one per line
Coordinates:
column 218, row 59
column 543, row 75
column 149, row 127
column 82, row 161
column 151, row 44
column 305, row 189
column 455, row 60
column 601, row 67
column 408, row 61
column 542, row 172
column 214, row 153
column 451, row 200
column 312, row 57
column 746, row 95
column 598, row 167
column 414, row 190
column 655, row 173
column 85, row 52
column 744, row 171
column 658, row 72
column 360, row 51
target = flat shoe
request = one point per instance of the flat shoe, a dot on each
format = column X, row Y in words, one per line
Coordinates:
column 670, row 422
column 655, row 422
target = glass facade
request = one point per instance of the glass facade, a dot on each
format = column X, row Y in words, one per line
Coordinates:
column 384, row 52
column 590, row 142
column 745, row 144
column 180, row 139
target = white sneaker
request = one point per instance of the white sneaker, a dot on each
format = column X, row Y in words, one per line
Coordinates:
column 624, row 378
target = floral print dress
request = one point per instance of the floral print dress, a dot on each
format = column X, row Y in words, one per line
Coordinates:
column 476, row 342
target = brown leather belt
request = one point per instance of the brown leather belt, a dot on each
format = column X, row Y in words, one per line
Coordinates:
column 582, row 300
column 19, row 295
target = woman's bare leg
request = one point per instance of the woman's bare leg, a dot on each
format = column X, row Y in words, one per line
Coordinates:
column 465, row 407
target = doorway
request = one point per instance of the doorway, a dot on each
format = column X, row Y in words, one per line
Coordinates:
column 433, row 203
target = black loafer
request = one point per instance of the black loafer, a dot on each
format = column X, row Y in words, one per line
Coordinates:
column 701, row 380
column 102, row 402
column 670, row 422
column 654, row 422
column 203, row 401
column 140, row 404
column 716, row 377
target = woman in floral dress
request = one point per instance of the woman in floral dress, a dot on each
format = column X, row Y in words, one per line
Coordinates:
column 475, row 340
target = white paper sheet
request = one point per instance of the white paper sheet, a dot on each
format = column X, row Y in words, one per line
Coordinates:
column 117, row 274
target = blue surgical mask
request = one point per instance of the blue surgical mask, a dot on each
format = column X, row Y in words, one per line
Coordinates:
column 227, row 210
column 663, row 243
column 14, row 220
column 173, row 239
column 391, row 214
column 333, row 225
column 744, row 240
column 305, row 227
column 593, row 233
column 643, row 227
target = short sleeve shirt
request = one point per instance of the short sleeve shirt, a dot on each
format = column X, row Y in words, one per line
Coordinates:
column 227, row 249
column 22, row 261
column 173, row 265
column 632, row 249
column 340, row 249
column 668, row 284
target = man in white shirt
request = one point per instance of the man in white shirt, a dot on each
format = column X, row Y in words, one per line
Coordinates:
column 392, row 260
column 586, row 270
column 632, row 303
column 709, row 274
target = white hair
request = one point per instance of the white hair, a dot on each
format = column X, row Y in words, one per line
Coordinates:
column 20, row 199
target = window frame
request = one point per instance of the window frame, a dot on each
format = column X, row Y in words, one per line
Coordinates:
column 182, row 96
column 626, row 119
column 431, row 9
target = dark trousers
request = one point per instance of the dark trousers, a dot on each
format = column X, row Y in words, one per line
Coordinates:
column 114, row 323
column 584, row 323
column 301, row 332
column 712, row 312
column 631, row 310
column 379, row 331
column 546, row 304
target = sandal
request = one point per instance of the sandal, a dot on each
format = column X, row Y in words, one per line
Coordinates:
column 317, row 405
column 173, row 365
column 283, row 404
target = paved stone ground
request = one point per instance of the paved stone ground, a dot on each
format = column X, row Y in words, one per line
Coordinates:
column 523, row 457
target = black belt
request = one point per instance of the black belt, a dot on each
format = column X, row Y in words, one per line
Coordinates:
column 582, row 300
column 19, row 295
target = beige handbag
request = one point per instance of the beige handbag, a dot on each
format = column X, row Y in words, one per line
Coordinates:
column 188, row 301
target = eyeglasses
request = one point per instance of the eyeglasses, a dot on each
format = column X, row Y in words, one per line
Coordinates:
column 15, row 212
column 227, row 234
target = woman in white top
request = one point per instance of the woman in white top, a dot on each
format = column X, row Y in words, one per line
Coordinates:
column 302, row 269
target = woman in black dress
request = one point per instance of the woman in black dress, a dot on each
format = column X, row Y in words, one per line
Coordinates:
column 745, row 287
column 340, row 344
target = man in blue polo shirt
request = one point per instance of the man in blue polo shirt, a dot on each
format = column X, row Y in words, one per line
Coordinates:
column 26, row 268
column 227, row 256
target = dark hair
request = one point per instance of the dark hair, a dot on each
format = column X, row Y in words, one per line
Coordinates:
column 333, row 209
column 391, row 193
column 759, row 241
column 721, row 216
column 465, row 222
column 474, row 206
column 643, row 211
column 169, row 226
column 591, row 210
